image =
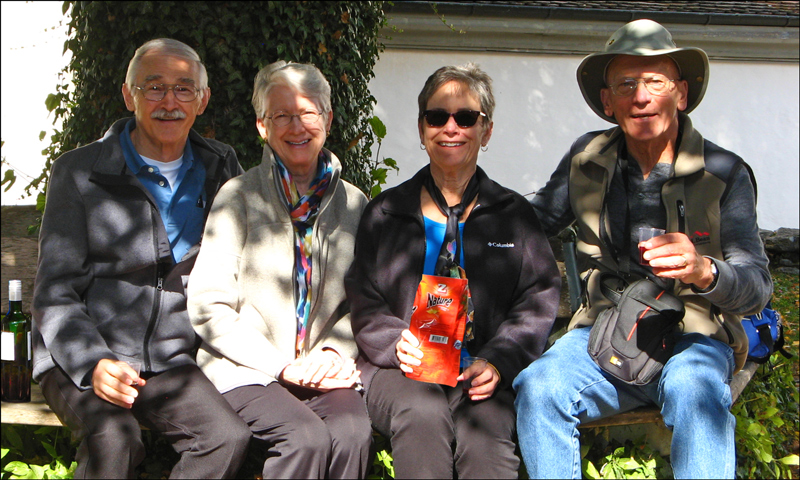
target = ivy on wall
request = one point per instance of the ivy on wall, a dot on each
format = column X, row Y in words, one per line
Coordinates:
column 234, row 41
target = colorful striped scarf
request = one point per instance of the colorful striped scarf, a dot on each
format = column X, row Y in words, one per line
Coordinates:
column 304, row 211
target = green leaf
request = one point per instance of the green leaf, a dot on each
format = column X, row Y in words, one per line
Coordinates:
column 379, row 175
column 629, row 464
column 51, row 450
column 42, row 134
column 378, row 128
column 585, row 449
column 770, row 411
column 10, row 177
column 51, row 102
column 17, row 468
column 37, row 471
column 13, row 437
column 754, row 428
column 375, row 191
column 790, row 460
column 589, row 469
column 389, row 162
column 766, row 456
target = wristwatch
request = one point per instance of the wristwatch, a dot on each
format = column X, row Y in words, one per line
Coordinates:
column 715, row 273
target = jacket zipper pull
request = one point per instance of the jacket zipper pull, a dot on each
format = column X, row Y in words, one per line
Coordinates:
column 681, row 217
column 160, row 286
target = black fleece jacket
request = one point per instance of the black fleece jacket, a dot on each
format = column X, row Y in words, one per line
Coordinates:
column 513, row 277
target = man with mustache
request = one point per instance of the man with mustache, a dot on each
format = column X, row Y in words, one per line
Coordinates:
column 120, row 232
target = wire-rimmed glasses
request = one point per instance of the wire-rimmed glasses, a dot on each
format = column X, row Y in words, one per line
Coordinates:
column 157, row 91
column 282, row 119
column 658, row 85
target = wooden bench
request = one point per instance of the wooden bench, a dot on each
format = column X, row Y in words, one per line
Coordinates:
column 35, row 412
column 651, row 414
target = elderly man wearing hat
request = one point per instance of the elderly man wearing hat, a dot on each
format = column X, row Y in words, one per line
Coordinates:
column 652, row 170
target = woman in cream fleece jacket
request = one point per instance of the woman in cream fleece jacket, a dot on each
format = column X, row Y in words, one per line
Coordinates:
column 267, row 295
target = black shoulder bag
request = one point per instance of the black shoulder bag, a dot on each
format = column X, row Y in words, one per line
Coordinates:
column 634, row 338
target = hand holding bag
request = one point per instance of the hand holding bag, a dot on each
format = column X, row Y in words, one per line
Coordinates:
column 633, row 339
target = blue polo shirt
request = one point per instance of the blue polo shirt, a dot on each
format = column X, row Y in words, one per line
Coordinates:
column 182, row 207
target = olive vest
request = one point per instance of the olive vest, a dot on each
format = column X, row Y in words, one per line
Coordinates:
column 692, row 199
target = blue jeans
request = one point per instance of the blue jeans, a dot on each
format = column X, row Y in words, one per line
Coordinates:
column 564, row 387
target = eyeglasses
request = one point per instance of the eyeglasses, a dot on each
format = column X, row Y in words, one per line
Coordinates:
column 464, row 118
column 657, row 85
column 281, row 119
column 157, row 91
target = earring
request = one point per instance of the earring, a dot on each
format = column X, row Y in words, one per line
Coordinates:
column 484, row 148
column 422, row 146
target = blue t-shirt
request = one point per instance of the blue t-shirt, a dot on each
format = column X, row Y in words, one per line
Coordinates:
column 434, row 237
column 182, row 209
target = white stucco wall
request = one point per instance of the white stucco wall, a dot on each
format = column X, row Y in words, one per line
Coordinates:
column 750, row 108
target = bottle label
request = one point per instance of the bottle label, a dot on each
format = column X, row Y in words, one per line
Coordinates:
column 29, row 346
column 7, row 347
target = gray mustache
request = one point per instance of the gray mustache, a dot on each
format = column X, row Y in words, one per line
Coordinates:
column 165, row 115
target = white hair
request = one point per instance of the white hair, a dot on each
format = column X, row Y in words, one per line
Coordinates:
column 304, row 78
column 166, row 46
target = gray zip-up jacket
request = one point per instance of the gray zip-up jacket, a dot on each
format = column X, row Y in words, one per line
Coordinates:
column 106, row 285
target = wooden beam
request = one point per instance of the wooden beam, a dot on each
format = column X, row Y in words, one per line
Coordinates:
column 35, row 412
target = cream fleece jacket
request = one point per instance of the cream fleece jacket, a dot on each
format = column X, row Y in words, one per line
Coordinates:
column 241, row 301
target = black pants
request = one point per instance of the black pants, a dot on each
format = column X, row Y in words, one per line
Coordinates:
column 308, row 434
column 180, row 403
column 425, row 420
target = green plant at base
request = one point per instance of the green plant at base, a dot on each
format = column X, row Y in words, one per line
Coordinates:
column 36, row 452
column 604, row 458
column 379, row 168
column 767, row 416
column 382, row 464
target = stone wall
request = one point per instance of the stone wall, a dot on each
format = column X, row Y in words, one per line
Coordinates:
column 20, row 252
column 783, row 249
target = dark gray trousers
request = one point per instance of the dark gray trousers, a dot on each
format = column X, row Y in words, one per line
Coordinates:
column 180, row 403
column 308, row 434
column 433, row 428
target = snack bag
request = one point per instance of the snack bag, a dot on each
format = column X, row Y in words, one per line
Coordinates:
column 439, row 318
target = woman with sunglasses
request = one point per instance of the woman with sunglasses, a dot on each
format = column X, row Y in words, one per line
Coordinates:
column 267, row 292
column 450, row 215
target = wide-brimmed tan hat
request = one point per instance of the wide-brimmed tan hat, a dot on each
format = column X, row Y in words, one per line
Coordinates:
column 644, row 38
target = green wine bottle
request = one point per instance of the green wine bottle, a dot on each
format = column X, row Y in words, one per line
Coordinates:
column 16, row 349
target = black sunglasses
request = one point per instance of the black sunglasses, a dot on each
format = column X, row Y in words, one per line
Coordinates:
column 464, row 118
